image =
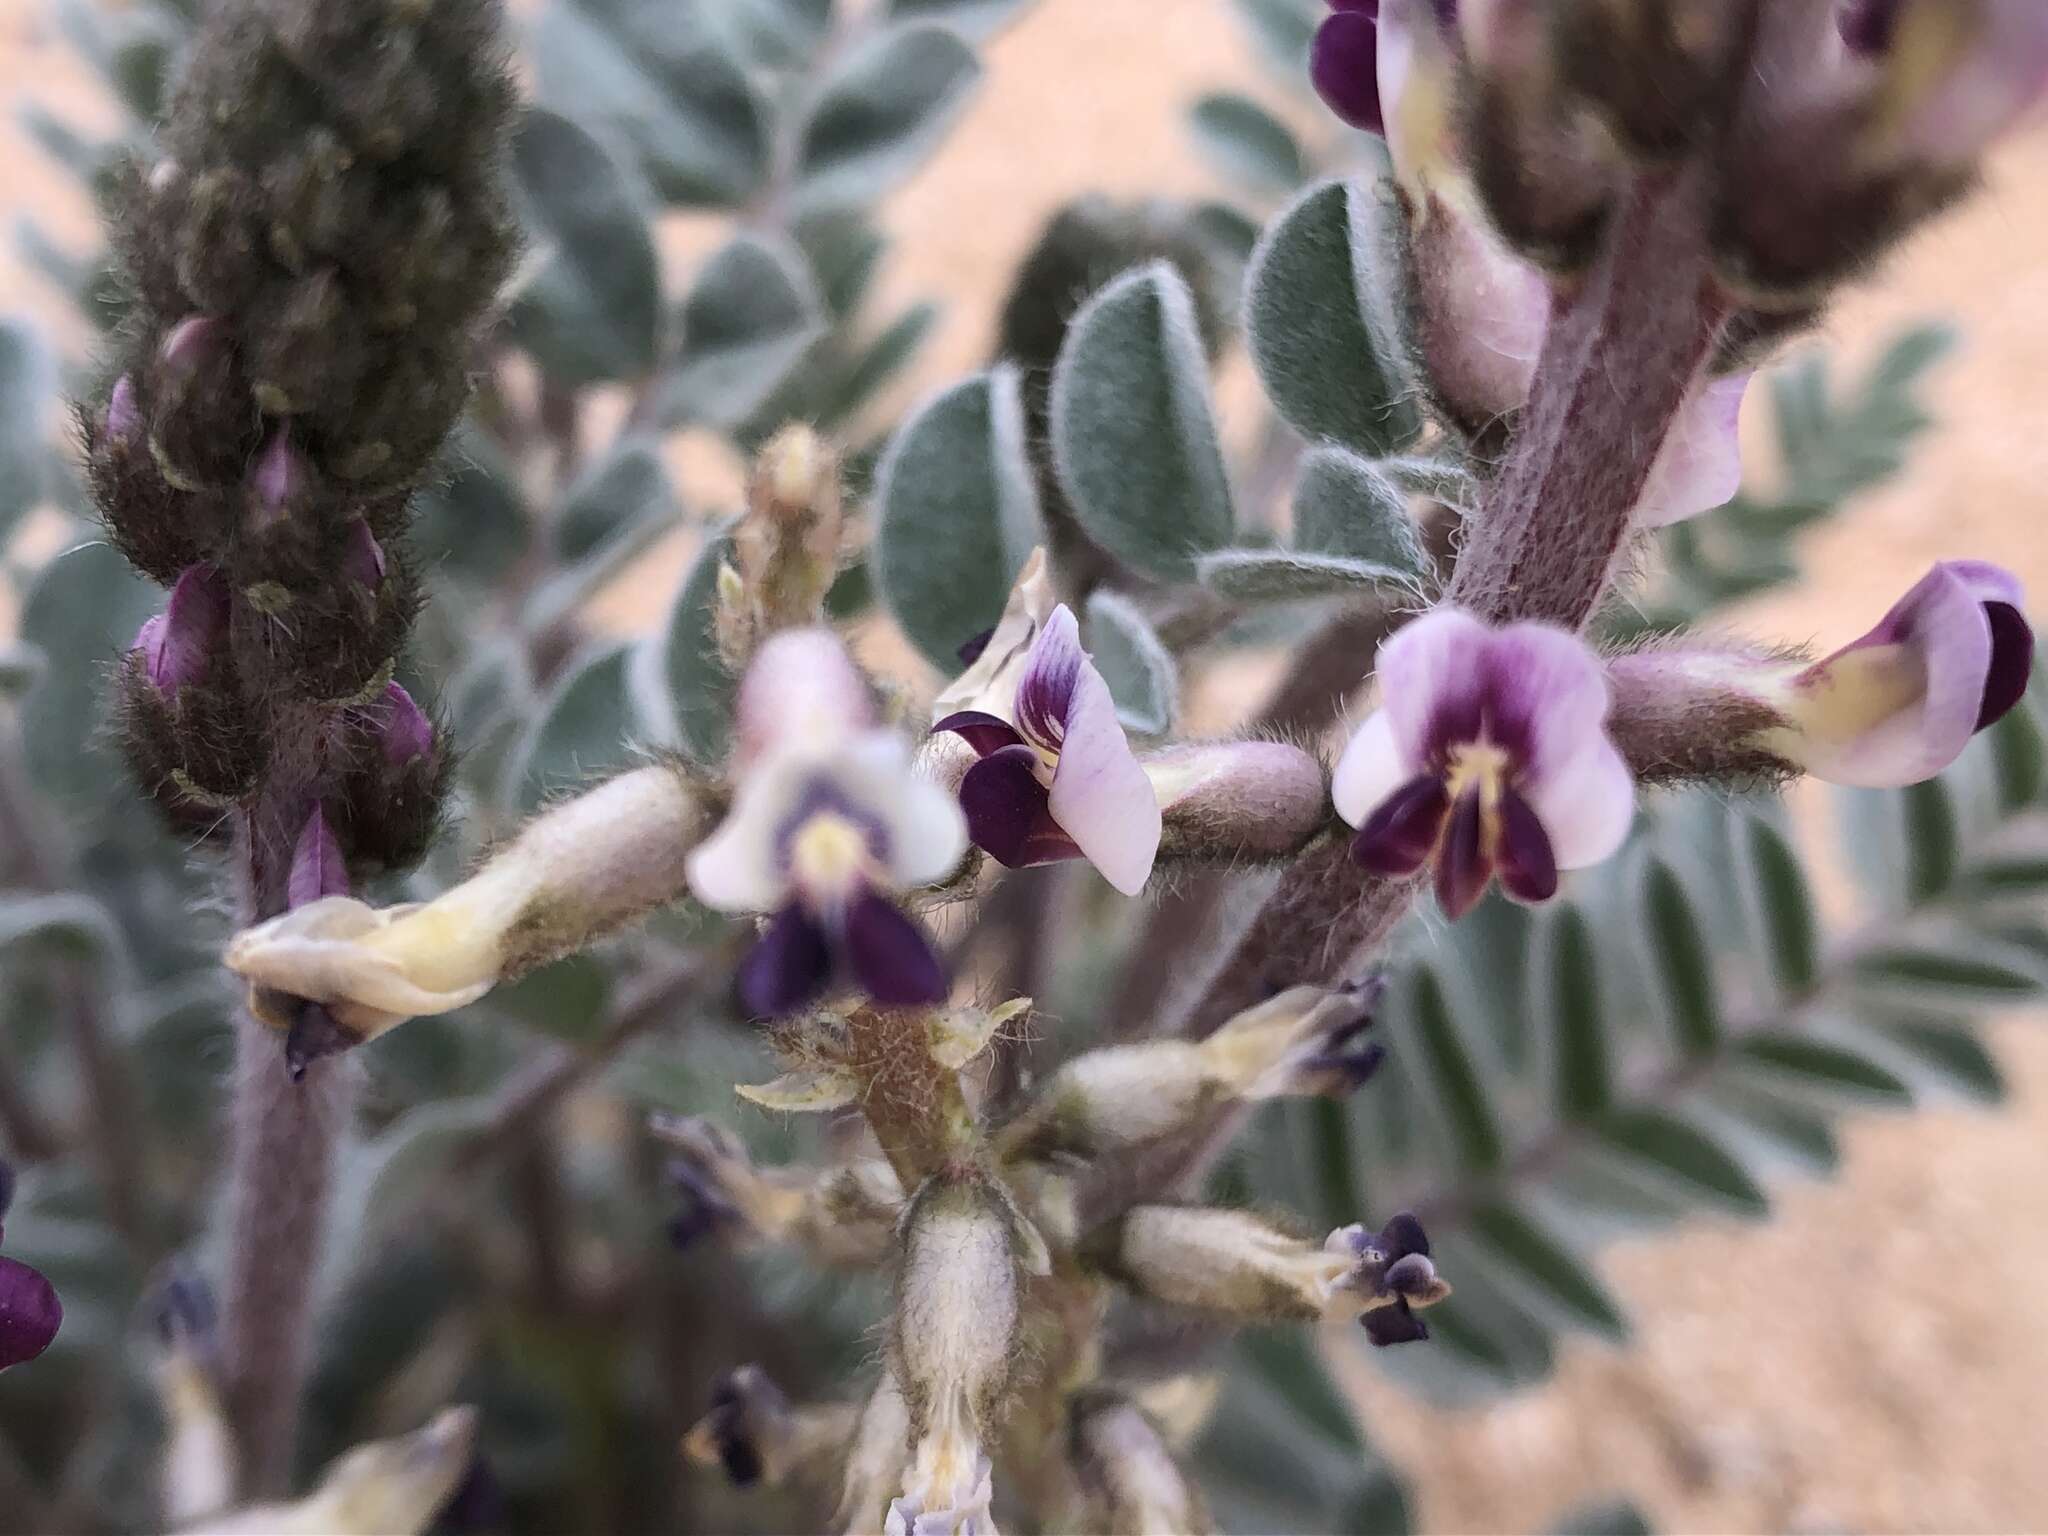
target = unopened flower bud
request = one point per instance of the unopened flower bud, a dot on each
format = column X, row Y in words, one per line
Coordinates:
column 386, row 1488
column 123, row 417
column 30, row 1313
column 875, row 1458
column 277, row 481
column 177, row 645
column 752, row 1432
column 1236, row 799
column 843, row 1216
column 319, row 867
column 954, row 1340
column 362, row 558
column 1306, row 1041
column 199, row 1463
column 193, row 343
column 1237, row 1264
column 786, row 546
column 1128, row 1480
column 578, row 871
column 403, row 728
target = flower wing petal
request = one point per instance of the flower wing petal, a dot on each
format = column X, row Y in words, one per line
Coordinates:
column 1546, row 698
column 1100, row 795
column 1373, row 767
column 1699, row 466
column 1046, row 692
column 735, row 869
column 891, row 957
column 1586, row 804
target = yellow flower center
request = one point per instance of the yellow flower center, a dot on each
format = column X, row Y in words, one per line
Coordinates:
column 828, row 853
column 1477, row 766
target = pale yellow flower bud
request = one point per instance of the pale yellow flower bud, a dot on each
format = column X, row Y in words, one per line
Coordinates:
column 386, row 1488
column 579, row 871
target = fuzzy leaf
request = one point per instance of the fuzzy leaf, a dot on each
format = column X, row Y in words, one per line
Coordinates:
column 593, row 309
column 1283, row 30
column 1928, row 815
column 626, row 488
column 1565, row 1003
column 471, row 521
column 1555, row 1279
column 878, row 364
column 1286, row 575
column 1439, row 479
column 682, row 690
column 746, row 322
column 958, row 514
column 20, row 666
column 1800, row 1061
column 880, row 112
column 1320, row 324
column 1966, row 973
column 973, row 19
column 1947, row 1056
column 1140, row 671
column 28, row 389
column 1680, row 967
column 1133, row 433
column 1670, row 1152
column 82, row 614
column 75, row 924
column 1780, row 906
column 1346, row 506
column 583, row 730
column 654, row 77
column 1441, row 1057
column 1247, row 144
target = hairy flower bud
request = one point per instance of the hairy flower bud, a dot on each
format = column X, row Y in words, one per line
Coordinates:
column 753, row 1433
column 1103, row 1102
column 403, row 729
column 840, row 1216
column 1236, row 800
column 362, row 557
column 578, row 871
column 319, row 868
column 786, row 547
column 178, row 646
column 123, row 418
column 954, row 1337
column 279, row 483
column 1236, row 1264
column 389, row 1487
column 1128, row 1480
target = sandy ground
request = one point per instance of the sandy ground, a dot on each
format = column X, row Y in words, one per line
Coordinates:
column 1869, row 1361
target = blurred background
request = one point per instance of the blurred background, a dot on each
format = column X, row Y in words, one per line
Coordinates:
column 1869, row 1360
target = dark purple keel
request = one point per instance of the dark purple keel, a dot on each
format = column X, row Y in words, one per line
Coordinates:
column 797, row 960
column 30, row 1313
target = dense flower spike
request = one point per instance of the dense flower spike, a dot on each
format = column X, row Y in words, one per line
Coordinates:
column 1056, row 777
column 30, row 1312
column 1892, row 708
column 829, row 821
column 1489, row 753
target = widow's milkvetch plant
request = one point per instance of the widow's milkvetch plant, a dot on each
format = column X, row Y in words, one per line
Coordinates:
column 1436, row 343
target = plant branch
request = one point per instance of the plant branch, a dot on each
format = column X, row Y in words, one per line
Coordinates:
column 1616, row 364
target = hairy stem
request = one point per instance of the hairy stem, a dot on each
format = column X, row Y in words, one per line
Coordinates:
column 1617, row 362
column 284, row 1134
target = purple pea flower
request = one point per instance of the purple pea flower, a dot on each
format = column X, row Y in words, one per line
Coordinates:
column 30, row 1313
column 177, row 645
column 1899, row 705
column 1057, row 780
column 829, row 821
column 1489, row 753
column 1950, row 77
column 1393, row 1270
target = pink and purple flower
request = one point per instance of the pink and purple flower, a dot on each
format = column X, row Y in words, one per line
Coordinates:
column 1490, row 755
column 1057, row 779
column 1899, row 705
column 829, row 822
